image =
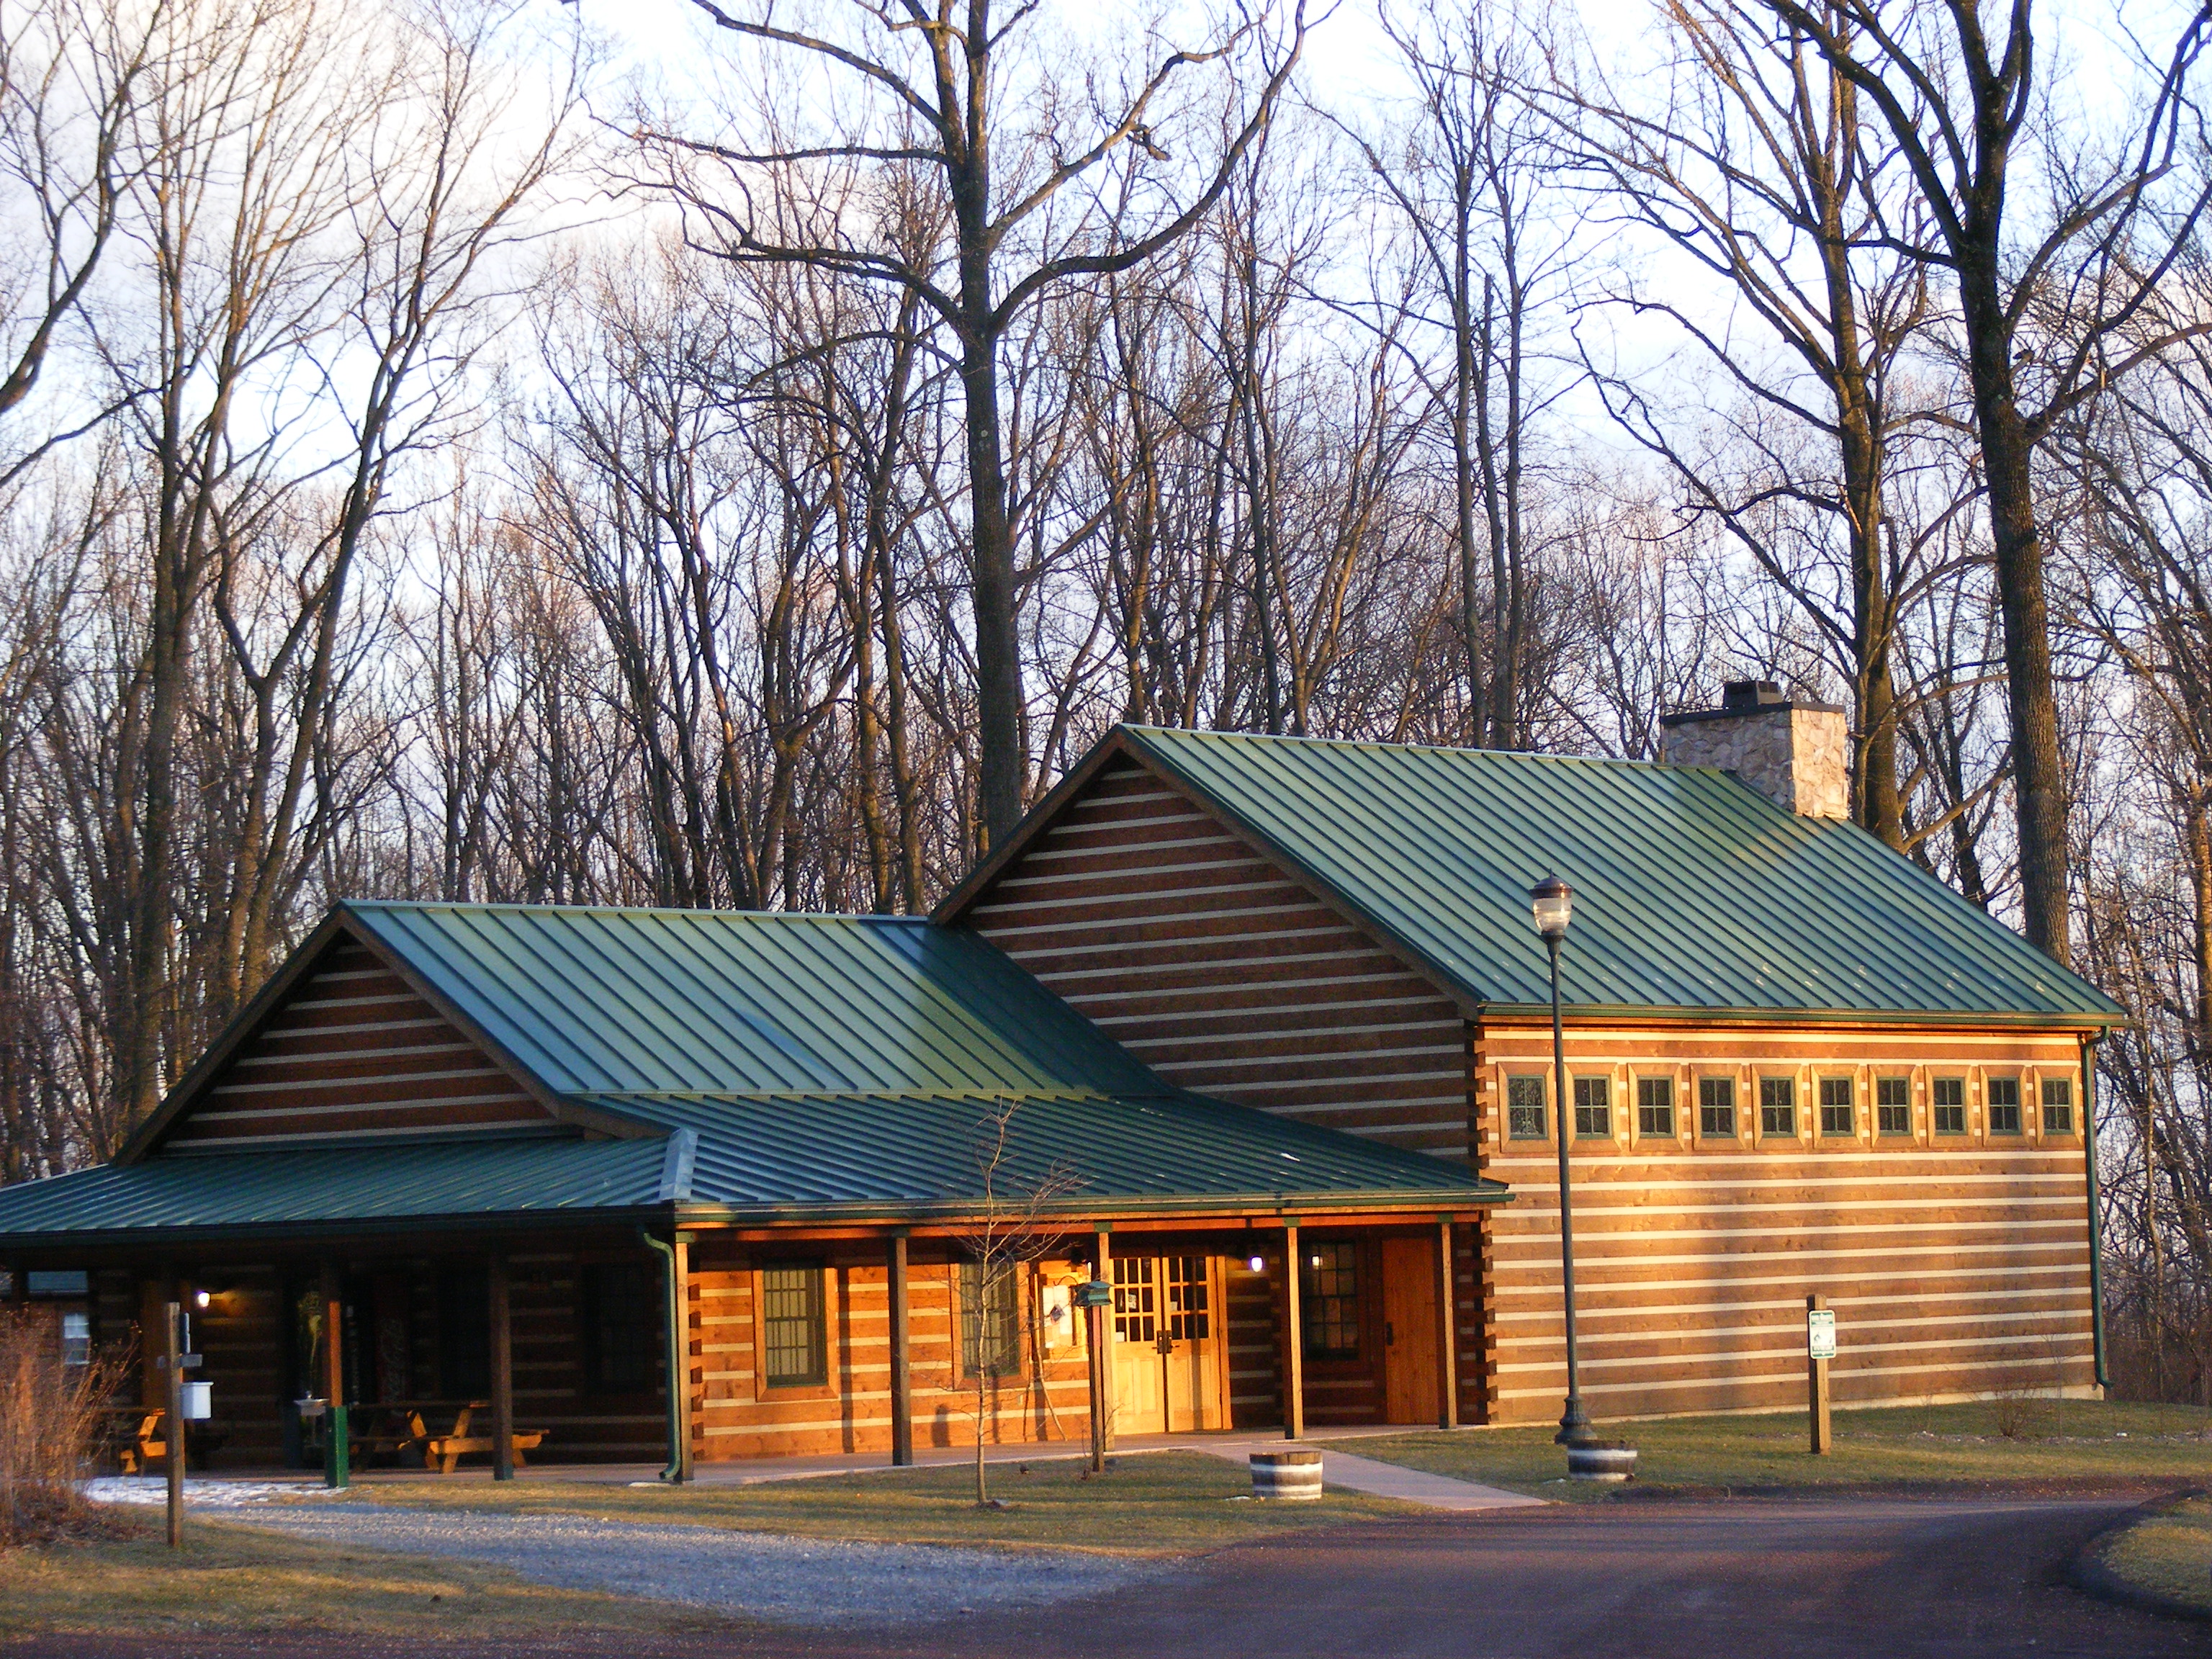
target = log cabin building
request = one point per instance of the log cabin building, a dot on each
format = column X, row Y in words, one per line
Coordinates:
column 1256, row 1029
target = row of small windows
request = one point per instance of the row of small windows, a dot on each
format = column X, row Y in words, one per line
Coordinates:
column 1526, row 1108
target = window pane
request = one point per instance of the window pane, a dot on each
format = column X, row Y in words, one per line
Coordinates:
column 76, row 1339
column 1593, row 1106
column 1524, row 1109
column 990, row 1315
column 1717, row 1106
column 1136, row 1310
column 1777, row 1106
column 1188, row 1314
column 1655, row 1106
column 625, row 1306
column 1893, row 1105
column 2004, row 1105
column 1947, row 1099
column 1329, row 1301
column 2058, row 1106
column 791, row 1325
column 1837, row 1114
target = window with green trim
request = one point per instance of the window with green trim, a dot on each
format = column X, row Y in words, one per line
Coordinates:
column 1947, row 1098
column 1777, row 1106
column 2058, row 1105
column 1838, row 1111
column 1593, row 1107
column 990, row 1319
column 2004, row 1105
column 1893, row 1105
column 1716, row 1108
column 1655, row 1107
column 1524, row 1109
column 793, row 1349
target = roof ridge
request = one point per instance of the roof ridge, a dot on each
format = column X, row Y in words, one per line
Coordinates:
column 701, row 913
column 1182, row 733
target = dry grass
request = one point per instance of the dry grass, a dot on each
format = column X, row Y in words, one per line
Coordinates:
column 2168, row 1555
column 1994, row 1443
column 228, row 1579
column 1156, row 1504
column 50, row 1422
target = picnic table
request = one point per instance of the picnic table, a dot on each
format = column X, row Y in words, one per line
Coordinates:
column 138, row 1437
column 397, row 1428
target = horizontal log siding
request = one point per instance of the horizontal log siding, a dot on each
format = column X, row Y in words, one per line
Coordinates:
column 354, row 1053
column 734, row 1417
column 1255, row 1383
column 1957, row 1265
column 1223, row 973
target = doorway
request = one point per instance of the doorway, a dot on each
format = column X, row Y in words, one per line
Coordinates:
column 1409, row 1330
column 1168, row 1344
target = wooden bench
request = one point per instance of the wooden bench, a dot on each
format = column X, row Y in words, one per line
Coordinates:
column 147, row 1443
column 445, row 1451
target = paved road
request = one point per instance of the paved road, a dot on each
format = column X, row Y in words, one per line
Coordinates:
column 1841, row 1578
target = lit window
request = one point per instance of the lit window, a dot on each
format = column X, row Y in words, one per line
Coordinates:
column 1777, row 1106
column 1717, row 1107
column 1655, row 1106
column 1947, row 1098
column 1893, row 1105
column 1329, row 1301
column 1593, row 1107
column 2004, row 1105
column 1838, row 1116
column 990, row 1319
column 76, row 1339
column 792, row 1346
column 2058, row 1105
column 1524, row 1109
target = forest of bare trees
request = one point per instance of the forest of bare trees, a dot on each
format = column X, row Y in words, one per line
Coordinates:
column 495, row 450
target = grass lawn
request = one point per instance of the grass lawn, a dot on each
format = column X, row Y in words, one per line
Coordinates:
column 2169, row 1554
column 1152, row 1504
column 1896, row 1448
column 230, row 1580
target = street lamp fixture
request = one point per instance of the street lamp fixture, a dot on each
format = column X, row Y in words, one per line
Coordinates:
column 1552, row 905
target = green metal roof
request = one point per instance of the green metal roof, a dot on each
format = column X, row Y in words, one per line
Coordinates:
column 779, row 1066
column 1693, row 893
column 617, row 1001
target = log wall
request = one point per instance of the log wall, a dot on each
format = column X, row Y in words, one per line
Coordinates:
column 1957, row 1265
column 354, row 1053
column 1225, row 974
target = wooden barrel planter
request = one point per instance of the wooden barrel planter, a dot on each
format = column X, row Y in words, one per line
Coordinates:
column 1287, row 1474
column 1600, row 1463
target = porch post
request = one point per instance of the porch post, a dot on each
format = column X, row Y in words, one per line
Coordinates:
column 1294, row 1392
column 901, row 1376
column 1102, row 1360
column 1447, row 1329
column 338, row 1451
column 503, row 1370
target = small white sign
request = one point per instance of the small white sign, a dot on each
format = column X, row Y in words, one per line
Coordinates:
column 1820, row 1332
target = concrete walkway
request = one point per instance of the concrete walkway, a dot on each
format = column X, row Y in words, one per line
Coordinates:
column 1339, row 1468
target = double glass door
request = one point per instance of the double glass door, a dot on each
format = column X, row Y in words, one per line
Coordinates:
column 1167, row 1344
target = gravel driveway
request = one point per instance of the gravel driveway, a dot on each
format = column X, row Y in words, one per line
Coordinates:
column 789, row 1581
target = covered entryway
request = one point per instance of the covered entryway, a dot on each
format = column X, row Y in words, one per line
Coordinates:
column 1169, row 1345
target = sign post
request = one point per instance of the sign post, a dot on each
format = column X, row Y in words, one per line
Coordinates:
column 1819, row 1349
column 1094, row 1298
column 172, row 1365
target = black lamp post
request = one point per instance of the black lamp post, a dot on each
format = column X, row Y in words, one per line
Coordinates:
column 1552, row 903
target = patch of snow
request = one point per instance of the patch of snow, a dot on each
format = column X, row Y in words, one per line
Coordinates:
column 198, row 1494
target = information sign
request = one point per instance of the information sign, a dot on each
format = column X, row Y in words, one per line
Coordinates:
column 1820, row 1332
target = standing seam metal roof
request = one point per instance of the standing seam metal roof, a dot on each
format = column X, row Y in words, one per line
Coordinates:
column 1693, row 893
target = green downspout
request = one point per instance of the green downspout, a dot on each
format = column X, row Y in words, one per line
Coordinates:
column 2096, row 1228
column 679, row 1430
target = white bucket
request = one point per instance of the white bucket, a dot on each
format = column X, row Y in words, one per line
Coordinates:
column 199, row 1401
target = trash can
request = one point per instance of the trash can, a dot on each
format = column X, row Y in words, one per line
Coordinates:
column 1287, row 1475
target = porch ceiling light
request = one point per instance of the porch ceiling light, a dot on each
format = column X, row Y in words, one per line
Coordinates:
column 1552, row 903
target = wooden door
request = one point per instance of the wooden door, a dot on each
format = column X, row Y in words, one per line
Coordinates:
column 1409, row 1330
column 1168, row 1344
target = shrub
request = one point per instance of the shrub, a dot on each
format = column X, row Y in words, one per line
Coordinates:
column 50, row 1430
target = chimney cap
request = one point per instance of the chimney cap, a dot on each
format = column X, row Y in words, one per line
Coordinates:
column 1739, row 698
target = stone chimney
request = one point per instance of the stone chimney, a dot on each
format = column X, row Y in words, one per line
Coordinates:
column 1792, row 752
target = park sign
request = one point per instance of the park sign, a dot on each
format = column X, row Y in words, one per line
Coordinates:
column 1820, row 1334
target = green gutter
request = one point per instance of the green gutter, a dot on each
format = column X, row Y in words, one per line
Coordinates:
column 679, row 1390
column 2096, row 1199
